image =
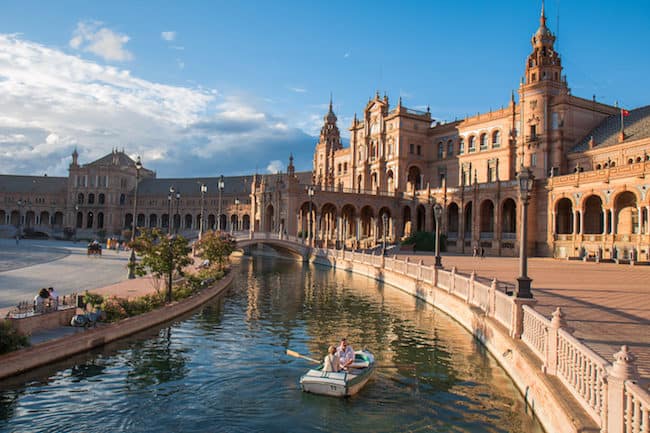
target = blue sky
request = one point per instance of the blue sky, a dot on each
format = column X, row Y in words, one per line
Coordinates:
column 204, row 88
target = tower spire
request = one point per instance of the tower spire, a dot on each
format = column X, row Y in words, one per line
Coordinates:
column 542, row 18
column 331, row 111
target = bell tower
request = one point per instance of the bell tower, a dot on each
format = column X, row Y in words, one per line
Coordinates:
column 542, row 86
column 329, row 142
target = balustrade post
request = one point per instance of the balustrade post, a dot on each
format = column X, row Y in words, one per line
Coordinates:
column 452, row 282
column 621, row 370
column 470, row 289
column 517, row 322
column 492, row 298
column 557, row 322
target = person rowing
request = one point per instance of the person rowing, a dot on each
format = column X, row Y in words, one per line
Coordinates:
column 345, row 353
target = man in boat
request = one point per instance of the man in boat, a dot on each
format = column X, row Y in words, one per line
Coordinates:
column 345, row 353
column 331, row 362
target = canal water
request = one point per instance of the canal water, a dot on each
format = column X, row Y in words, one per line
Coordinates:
column 225, row 369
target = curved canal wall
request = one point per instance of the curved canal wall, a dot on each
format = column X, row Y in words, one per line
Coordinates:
column 39, row 355
column 567, row 386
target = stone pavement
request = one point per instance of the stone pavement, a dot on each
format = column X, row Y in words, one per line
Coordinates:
column 608, row 305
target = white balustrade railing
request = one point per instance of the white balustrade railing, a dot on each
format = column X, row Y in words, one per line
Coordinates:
column 535, row 331
column 461, row 286
column 503, row 309
column 427, row 274
column 583, row 372
column 480, row 295
column 637, row 409
column 412, row 269
column 444, row 279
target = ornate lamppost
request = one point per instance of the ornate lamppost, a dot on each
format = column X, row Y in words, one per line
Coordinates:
column 221, row 185
column 178, row 200
column 21, row 205
column 170, row 196
column 204, row 189
column 525, row 179
column 236, row 228
column 310, row 226
column 138, row 167
column 76, row 223
column 437, row 212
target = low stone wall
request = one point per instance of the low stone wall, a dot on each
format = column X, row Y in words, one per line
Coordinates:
column 39, row 322
column 550, row 402
column 43, row 354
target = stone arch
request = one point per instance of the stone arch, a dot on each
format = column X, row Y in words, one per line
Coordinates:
column 509, row 217
column 564, row 216
column 348, row 218
column 212, row 222
column 100, row 220
column 593, row 215
column 101, row 199
column 407, row 223
column 58, row 219
column 91, row 198
column 80, row 220
column 164, row 221
column 223, row 222
column 269, row 215
column 14, row 218
column 246, row 222
column 3, row 216
column 141, row 220
column 468, row 222
column 30, row 218
column 234, row 222
column 128, row 221
column 44, row 218
column 453, row 214
column 153, row 220
column 414, row 178
column 367, row 222
column 384, row 224
column 487, row 217
column 420, row 220
column 307, row 223
column 328, row 222
column 625, row 211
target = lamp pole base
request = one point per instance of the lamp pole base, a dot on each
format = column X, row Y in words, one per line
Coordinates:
column 523, row 288
column 438, row 263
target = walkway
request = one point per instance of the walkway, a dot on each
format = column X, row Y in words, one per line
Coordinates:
column 606, row 304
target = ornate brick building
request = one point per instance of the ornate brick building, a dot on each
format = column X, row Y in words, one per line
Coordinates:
column 589, row 159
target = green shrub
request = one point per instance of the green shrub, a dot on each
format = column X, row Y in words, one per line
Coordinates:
column 425, row 241
column 10, row 339
column 93, row 299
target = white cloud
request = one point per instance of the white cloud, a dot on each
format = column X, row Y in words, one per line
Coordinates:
column 275, row 166
column 168, row 36
column 298, row 89
column 52, row 102
column 90, row 36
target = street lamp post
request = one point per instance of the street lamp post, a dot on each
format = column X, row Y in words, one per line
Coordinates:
column 178, row 201
column 170, row 196
column 204, row 189
column 236, row 228
column 138, row 167
column 437, row 212
column 526, row 179
column 76, row 218
column 310, row 226
column 170, row 275
column 221, row 186
column 384, row 220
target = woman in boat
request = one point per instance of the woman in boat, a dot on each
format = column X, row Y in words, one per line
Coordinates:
column 331, row 362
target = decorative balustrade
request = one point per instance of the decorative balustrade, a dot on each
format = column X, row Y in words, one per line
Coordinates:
column 444, row 279
column 583, row 372
column 535, row 331
column 503, row 306
column 480, row 295
column 461, row 286
column 637, row 409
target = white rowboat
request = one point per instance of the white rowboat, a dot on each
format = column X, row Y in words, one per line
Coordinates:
column 343, row 383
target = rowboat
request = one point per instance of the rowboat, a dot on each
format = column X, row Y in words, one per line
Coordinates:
column 343, row 383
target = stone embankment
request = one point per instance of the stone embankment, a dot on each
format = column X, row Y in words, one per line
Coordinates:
column 46, row 353
column 569, row 387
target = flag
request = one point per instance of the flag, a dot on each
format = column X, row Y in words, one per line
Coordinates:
column 625, row 113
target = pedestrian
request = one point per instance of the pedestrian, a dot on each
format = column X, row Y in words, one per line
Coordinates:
column 475, row 251
column 482, row 252
column 39, row 300
column 17, row 239
column 54, row 298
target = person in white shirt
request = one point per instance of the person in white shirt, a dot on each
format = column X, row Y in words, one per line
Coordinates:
column 54, row 298
column 331, row 362
column 346, row 353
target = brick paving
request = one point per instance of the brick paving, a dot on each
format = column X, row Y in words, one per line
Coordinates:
column 606, row 304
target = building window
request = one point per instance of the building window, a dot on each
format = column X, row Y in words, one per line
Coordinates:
column 102, row 198
column 411, row 148
column 450, row 148
column 80, row 198
column 339, row 168
column 533, row 160
column 345, row 167
column 483, row 142
column 461, row 146
column 419, row 150
column 122, row 199
column 440, row 150
column 496, row 139
column 91, row 198
column 533, row 132
column 472, row 144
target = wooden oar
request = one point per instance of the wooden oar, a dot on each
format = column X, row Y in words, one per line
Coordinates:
column 406, row 366
column 298, row 355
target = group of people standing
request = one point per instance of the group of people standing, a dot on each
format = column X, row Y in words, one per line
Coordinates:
column 339, row 358
column 46, row 299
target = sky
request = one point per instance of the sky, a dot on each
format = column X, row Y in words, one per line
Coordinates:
column 203, row 88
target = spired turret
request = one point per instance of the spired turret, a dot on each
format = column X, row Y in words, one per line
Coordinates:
column 544, row 63
column 329, row 142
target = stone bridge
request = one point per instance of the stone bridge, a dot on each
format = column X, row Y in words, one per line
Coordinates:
column 291, row 244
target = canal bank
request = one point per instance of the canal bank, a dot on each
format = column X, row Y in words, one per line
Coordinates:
column 490, row 320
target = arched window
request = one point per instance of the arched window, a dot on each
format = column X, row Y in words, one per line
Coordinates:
column 483, row 142
column 496, row 139
column 440, row 150
column 472, row 144
column 80, row 198
column 122, row 199
column 101, row 198
column 461, row 145
column 450, row 148
column 91, row 198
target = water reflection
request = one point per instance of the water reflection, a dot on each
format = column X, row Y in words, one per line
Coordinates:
column 225, row 367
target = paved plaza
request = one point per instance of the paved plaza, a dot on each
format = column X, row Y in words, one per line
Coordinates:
column 606, row 304
column 25, row 268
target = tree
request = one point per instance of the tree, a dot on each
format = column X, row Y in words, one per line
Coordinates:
column 215, row 247
column 161, row 255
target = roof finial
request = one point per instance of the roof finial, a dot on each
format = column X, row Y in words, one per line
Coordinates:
column 330, row 101
column 542, row 18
